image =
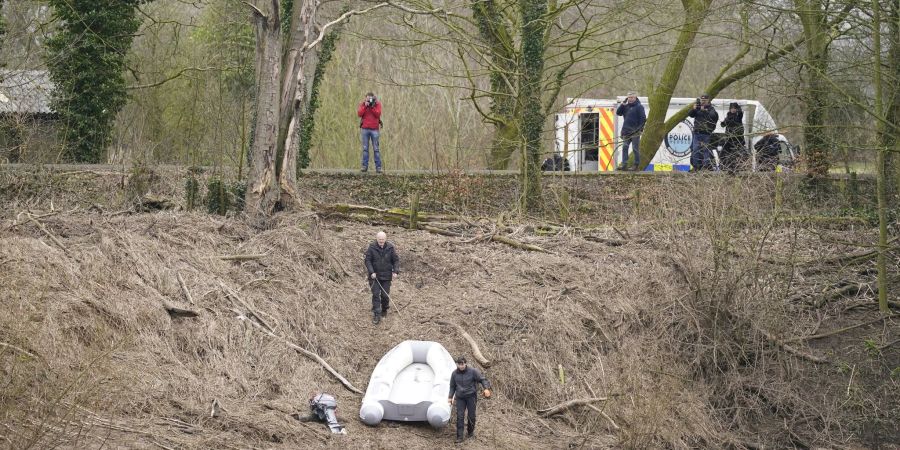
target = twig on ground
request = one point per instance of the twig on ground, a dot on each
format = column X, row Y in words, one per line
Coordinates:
column 309, row 355
column 19, row 349
column 248, row 257
column 254, row 319
column 788, row 348
column 49, row 234
column 476, row 351
column 882, row 347
column 565, row 406
column 605, row 416
column 840, row 330
column 184, row 288
column 250, row 311
column 16, row 222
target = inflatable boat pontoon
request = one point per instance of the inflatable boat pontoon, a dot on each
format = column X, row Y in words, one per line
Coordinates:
column 410, row 383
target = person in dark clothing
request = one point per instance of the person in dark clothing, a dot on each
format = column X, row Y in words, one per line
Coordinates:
column 632, row 126
column 369, row 112
column 555, row 164
column 733, row 150
column 767, row 151
column 382, row 265
column 705, row 118
column 464, row 394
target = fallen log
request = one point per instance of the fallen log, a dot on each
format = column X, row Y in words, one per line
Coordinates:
column 440, row 231
column 395, row 216
column 177, row 313
column 401, row 218
column 565, row 406
column 476, row 351
column 517, row 244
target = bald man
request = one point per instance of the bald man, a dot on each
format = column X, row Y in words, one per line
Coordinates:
column 382, row 265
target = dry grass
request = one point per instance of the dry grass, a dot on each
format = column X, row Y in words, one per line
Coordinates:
column 666, row 326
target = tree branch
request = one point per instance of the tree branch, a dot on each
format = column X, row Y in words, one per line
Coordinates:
column 565, row 406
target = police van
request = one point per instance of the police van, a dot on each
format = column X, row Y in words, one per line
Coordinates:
column 588, row 135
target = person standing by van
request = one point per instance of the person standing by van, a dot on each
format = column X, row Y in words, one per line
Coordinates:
column 369, row 112
column 705, row 119
column 632, row 126
column 733, row 150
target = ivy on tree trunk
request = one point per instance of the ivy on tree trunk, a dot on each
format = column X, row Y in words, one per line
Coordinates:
column 493, row 31
column 813, row 18
column 86, row 61
column 530, row 99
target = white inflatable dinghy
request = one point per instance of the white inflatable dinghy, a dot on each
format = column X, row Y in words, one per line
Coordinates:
column 410, row 383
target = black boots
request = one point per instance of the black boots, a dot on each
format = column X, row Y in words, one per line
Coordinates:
column 376, row 318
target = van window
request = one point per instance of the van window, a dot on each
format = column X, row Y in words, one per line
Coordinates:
column 589, row 135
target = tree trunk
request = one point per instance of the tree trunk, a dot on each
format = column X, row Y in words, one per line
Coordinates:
column 504, row 143
column 813, row 18
column 880, row 175
column 655, row 129
column 262, row 190
column 293, row 59
column 891, row 138
column 493, row 30
column 302, row 33
column 530, row 99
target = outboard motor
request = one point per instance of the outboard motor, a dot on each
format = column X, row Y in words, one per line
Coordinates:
column 323, row 407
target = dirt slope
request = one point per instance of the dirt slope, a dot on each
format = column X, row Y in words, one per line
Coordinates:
column 91, row 358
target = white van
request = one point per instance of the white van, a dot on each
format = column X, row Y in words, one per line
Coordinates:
column 588, row 134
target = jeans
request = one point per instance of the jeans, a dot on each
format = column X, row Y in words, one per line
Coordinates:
column 464, row 404
column 367, row 134
column 701, row 155
column 381, row 301
column 635, row 141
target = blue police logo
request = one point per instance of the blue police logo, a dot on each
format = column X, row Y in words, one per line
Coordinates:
column 679, row 139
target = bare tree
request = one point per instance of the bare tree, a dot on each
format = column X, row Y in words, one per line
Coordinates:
column 736, row 69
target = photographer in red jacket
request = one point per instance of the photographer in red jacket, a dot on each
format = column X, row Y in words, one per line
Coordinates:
column 369, row 113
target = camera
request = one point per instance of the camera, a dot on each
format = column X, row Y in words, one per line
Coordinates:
column 370, row 102
column 698, row 102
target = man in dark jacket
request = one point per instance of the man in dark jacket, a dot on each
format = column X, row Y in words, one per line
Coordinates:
column 732, row 156
column 369, row 112
column 464, row 393
column 632, row 127
column 705, row 118
column 382, row 265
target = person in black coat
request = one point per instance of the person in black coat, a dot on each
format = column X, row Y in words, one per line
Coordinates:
column 464, row 394
column 705, row 118
column 733, row 150
column 382, row 265
column 633, row 122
